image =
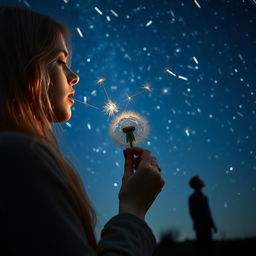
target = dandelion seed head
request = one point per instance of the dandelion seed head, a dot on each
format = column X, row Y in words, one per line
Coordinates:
column 128, row 119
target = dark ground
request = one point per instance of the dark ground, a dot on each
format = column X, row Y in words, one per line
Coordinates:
column 221, row 247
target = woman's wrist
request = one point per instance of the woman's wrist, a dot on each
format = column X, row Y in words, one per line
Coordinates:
column 123, row 208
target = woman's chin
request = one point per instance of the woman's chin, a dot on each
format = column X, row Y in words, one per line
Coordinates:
column 62, row 117
column 67, row 117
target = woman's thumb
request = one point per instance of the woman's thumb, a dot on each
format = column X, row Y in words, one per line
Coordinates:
column 128, row 164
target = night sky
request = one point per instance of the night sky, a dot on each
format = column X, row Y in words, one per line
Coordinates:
column 201, row 113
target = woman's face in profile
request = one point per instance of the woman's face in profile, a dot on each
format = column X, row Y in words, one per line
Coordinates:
column 62, row 82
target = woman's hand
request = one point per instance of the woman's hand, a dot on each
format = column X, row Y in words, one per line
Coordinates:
column 139, row 188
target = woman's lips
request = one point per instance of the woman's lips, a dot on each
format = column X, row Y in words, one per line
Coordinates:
column 71, row 100
column 70, row 96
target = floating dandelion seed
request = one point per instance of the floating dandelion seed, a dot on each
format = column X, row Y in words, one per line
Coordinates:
column 147, row 87
column 110, row 108
column 128, row 129
column 101, row 80
column 128, row 99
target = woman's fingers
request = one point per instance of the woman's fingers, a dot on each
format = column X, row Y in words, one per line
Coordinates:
column 136, row 161
column 155, row 163
column 143, row 153
column 136, row 156
column 139, row 189
column 140, row 157
column 128, row 164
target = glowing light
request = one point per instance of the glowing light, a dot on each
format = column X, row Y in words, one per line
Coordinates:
column 197, row 4
column 241, row 57
column 170, row 72
column 128, row 99
column 149, row 23
column 68, row 124
column 183, row 78
column 85, row 99
column 195, row 60
column 126, row 56
column 240, row 114
column 98, row 10
column 94, row 93
column 79, row 32
column 114, row 13
column 187, row 132
column 128, row 119
column 165, row 90
column 110, row 108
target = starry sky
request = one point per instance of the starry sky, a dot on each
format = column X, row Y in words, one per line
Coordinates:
column 199, row 57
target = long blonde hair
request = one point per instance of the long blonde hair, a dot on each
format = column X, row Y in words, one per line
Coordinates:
column 27, row 43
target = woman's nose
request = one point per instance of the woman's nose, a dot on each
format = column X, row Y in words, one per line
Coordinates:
column 73, row 78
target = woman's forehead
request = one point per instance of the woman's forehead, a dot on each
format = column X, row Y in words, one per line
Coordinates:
column 61, row 45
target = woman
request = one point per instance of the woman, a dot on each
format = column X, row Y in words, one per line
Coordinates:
column 43, row 207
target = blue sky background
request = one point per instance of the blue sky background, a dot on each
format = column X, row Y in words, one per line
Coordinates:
column 204, row 125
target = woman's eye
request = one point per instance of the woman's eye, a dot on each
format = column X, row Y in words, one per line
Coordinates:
column 62, row 62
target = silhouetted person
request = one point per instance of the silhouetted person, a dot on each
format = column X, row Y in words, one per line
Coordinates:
column 202, row 219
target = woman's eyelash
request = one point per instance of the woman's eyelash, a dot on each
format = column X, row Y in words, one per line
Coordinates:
column 62, row 62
